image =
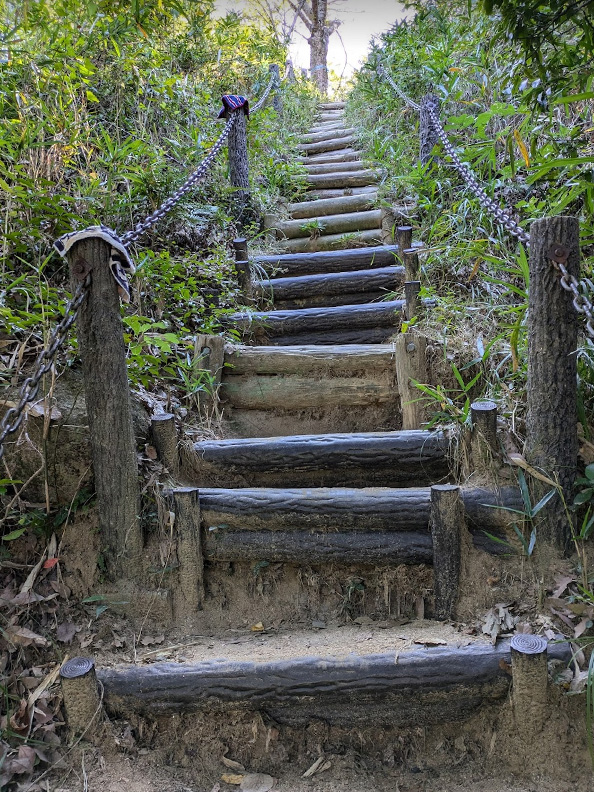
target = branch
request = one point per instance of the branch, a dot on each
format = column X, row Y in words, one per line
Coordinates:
column 300, row 12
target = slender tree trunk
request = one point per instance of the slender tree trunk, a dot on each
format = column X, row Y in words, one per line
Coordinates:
column 318, row 45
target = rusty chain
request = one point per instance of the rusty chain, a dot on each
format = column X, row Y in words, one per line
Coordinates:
column 578, row 289
column 14, row 416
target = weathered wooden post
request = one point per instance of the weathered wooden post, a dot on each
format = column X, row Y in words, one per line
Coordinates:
column 189, row 593
column 483, row 440
column 447, row 522
column 164, row 436
column 412, row 289
column 530, row 682
column 551, row 435
column 290, row 71
column 277, row 101
column 428, row 135
column 209, row 358
column 403, row 239
column 411, row 364
column 242, row 267
column 412, row 267
column 239, row 174
column 389, row 219
column 113, row 446
column 80, row 692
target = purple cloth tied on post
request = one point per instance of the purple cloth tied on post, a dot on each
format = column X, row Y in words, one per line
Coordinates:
column 231, row 102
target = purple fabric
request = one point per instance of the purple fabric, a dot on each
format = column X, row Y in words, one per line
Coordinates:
column 231, row 102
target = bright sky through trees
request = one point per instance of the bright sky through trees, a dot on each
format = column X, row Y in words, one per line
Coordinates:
column 361, row 19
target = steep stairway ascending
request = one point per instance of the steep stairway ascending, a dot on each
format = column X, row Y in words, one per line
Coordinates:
column 318, row 509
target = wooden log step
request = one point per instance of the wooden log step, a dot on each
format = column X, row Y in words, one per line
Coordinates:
column 332, row 300
column 343, row 241
column 333, row 144
column 332, row 283
column 327, row 126
column 274, row 392
column 343, row 179
column 319, row 137
column 338, row 192
column 368, row 335
column 275, row 323
column 293, row 547
column 330, row 167
column 332, row 105
column 334, row 683
column 344, row 155
column 329, row 224
column 403, row 458
column 330, row 115
column 344, row 509
column 326, row 261
column 315, row 361
column 330, row 206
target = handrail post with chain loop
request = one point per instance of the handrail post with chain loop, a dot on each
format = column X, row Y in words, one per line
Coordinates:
column 239, row 172
column 113, row 446
column 551, row 436
column 277, row 101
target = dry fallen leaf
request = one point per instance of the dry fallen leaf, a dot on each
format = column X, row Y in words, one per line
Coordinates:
column 21, row 636
column 230, row 778
column 66, row 632
column 256, row 782
column 311, row 770
column 239, row 768
column 257, row 627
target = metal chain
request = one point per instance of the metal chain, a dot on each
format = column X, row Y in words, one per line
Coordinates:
column 576, row 288
column 261, row 101
column 13, row 417
column 406, row 99
column 167, row 206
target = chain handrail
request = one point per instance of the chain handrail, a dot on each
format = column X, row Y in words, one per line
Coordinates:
column 13, row 417
column 578, row 289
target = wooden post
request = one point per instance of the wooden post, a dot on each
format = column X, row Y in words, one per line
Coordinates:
column 164, row 435
column 530, row 682
column 84, row 713
column 404, row 239
column 242, row 267
column 551, row 421
column 483, row 443
column 428, row 135
column 412, row 267
column 389, row 221
column 189, row 593
column 446, row 521
column 411, row 364
column 113, row 445
column 412, row 290
column 239, row 174
column 209, row 357
column 290, row 72
column 277, row 101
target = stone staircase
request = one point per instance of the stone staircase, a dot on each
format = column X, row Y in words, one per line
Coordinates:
column 319, row 520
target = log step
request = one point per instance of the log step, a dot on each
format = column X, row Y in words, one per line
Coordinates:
column 404, row 458
column 333, row 144
column 276, row 323
column 330, row 206
column 343, row 179
column 344, row 155
column 330, row 167
column 308, row 360
column 327, row 126
column 336, row 193
column 327, row 261
column 320, row 675
column 332, row 105
column 342, row 223
column 359, row 282
column 349, row 239
column 319, row 137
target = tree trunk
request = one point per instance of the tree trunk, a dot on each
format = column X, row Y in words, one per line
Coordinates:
column 318, row 45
